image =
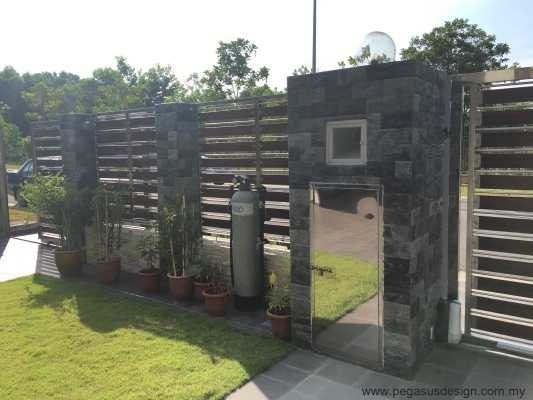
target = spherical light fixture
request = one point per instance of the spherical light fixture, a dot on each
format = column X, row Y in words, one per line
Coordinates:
column 377, row 47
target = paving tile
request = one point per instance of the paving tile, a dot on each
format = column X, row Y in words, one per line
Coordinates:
column 338, row 391
column 312, row 386
column 259, row 388
column 286, row 374
column 492, row 368
column 292, row 395
column 341, row 372
column 521, row 376
column 439, row 377
column 479, row 382
column 377, row 380
column 416, row 390
column 451, row 360
column 305, row 360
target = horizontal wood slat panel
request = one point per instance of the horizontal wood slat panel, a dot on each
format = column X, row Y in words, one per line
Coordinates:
column 274, row 111
column 506, row 203
column 216, row 223
column 110, row 124
column 141, row 136
column 48, row 153
column 506, row 246
column 274, row 179
column 48, row 229
column 243, row 113
column 278, row 162
column 228, row 178
column 506, row 160
column 274, row 128
column 504, row 328
column 144, row 201
column 506, row 182
column 47, row 143
column 226, row 194
column 277, row 230
column 506, row 224
column 141, row 188
column 123, row 162
column 508, row 139
column 123, row 150
column 38, row 134
column 141, row 214
column 224, row 208
column 507, row 117
column 505, row 267
column 144, row 175
column 49, row 163
column 503, row 307
column 242, row 130
column 145, row 121
column 510, row 95
column 505, row 287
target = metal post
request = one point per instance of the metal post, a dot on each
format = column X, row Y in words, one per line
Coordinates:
column 3, row 188
column 130, row 165
column 257, row 144
column 314, row 36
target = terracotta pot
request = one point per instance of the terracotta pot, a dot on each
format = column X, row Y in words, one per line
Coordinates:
column 181, row 287
column 216, row 304
column 281, row 324
column 150, row 279
column 199, row 289
column 69, row 263
column 108, row 271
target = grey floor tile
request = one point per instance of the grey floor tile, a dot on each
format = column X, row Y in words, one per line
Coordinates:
column 259, row 388
column 439, row 377
column 479, row 382
column 377, row 380
column 492, row 368
column 341, row 372
column 338, row 391
column 521, row 375
column 292, row 395
column 305, row 360
column 451, row 360
column 416, row 390
column 282, row 372
column 312, row 386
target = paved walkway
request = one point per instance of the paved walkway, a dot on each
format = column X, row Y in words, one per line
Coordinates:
column 305, row 375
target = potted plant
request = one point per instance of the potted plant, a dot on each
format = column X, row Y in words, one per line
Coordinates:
column 279, row 309
column 216, row 295
column 202, row 279
column 62, row 205
column 180, row 237
column 151, row 275
column 108, row 208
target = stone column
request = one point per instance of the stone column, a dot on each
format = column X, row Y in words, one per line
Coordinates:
column 78, row 147
column 177, row 150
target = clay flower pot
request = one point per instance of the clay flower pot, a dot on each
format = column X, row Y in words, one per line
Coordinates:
column 181, row 287
column 69, row 263
column 280, row 323
column 199, row 289
column 150, row 279
column 216, row 304
column 108, row 271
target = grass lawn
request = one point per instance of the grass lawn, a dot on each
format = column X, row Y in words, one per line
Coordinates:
column 354, row 282
column 65, row 340
column 18, row 217
column 13, row 166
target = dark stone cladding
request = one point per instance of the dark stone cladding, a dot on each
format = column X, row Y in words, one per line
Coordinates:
column 404, row 105
column 177, row 150
column 78, row 147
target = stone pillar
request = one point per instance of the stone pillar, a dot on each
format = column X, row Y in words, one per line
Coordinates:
column 78, row 147
column 403, row 104
column 177, row 150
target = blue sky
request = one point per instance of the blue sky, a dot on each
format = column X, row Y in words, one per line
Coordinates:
column 57, row 35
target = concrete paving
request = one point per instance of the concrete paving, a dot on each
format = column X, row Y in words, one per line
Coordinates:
column 306, row 375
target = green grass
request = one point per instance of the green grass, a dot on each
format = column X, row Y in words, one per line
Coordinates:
column 13, row 166
column 65, row 340
column 353, row 282
column 16, row 217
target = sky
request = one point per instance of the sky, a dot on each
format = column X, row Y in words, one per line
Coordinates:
column 56, row 35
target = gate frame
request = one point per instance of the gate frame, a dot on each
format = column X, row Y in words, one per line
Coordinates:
column 472, row 80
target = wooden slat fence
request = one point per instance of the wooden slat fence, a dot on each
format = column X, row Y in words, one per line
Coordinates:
column 126, row 159
column 244, row 136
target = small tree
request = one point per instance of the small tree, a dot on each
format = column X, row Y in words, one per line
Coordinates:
column 108, row 209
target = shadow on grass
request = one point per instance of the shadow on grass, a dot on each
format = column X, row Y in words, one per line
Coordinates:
column 107, row 312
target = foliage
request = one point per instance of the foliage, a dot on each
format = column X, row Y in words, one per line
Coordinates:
column 83, row 342
column 16, row 148
column 232, row 74
column 180, row 234
column 203, row 274
column 108, row 209
column 149, row 250
column 63, row 204
column 215, row 273
column 364, row 58
column 279, row 298
column 458, row 48
column 302, row 70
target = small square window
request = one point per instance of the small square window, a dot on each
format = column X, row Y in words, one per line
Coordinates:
column 346, row 142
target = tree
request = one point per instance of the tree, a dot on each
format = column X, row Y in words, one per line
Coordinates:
column 458, row 48
column 157, row 84
column 232, row 74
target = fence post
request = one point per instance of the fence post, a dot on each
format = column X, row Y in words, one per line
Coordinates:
column 78, row 147
column 177, row 150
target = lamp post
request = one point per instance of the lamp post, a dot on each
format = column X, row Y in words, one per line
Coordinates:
column 314, row 36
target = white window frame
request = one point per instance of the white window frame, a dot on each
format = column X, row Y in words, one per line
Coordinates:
column 329, row 142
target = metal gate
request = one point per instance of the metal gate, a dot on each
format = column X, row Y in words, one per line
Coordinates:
column 499, row 254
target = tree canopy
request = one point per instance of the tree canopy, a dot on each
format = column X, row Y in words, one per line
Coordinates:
column 458, row 48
